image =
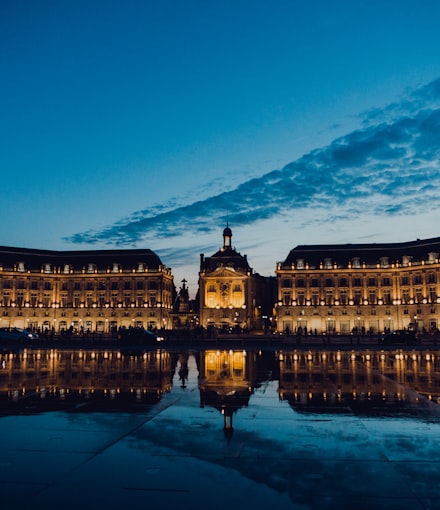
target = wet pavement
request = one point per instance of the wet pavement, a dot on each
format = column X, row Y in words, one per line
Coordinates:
column 270, row 432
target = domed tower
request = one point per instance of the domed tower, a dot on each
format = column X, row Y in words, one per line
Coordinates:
column 227, row 238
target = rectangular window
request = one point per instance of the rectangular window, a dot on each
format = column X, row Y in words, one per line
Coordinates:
column 432, row 278
column 417, row 279
column 345, row 326
column 343, row 297
column 374, row 325
column 20, row 299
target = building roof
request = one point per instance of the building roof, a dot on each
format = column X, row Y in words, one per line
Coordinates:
column 370, row 254
column 225, row 257
column 34, row 259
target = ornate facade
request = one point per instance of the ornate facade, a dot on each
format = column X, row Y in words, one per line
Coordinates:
column 360, row 288
column 230, row 293
column 84, row 291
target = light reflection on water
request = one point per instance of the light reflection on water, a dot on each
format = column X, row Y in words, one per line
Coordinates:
column 329, row 381
column 311, row 428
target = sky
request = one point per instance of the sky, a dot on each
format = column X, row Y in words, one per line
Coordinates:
column 155, row 123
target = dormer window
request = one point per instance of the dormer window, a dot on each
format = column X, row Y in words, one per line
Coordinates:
column 47, row 268
column 356, row 262
column 327, row 263
column 300, row 264
column 115, row 267
column 91, row 268
column 384, row 262
column 66, row 269
column 406, row 259
column 140, row 268
column 20, row 267
column 432, row 257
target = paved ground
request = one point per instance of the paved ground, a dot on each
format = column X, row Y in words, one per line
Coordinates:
column 175, row 454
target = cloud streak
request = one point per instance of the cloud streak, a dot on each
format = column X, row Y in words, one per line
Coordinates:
column 390, row 166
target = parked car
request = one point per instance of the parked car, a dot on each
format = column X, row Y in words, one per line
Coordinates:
column 16, row 335
column 399, row 337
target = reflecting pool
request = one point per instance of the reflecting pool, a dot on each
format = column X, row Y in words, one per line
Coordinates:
column 220, row 428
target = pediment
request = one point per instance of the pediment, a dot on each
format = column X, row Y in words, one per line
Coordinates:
column 226, row 271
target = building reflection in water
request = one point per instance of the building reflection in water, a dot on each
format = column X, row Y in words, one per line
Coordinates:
column 37, row 378
column 367, row 381
column 226, row 382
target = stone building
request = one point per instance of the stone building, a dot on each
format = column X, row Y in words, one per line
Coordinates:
column 84, row 291
column 230, row 293
column 360, row 288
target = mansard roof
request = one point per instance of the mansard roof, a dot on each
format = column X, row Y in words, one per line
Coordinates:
column 34, row 259
column 369, row 254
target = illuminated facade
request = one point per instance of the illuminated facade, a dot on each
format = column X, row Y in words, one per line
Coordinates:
column 84, row 291
column 359, row 288
column 230, row 293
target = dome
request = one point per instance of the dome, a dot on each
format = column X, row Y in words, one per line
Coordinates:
column 227, row 232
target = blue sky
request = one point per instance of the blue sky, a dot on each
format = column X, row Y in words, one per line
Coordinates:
column 152, row 123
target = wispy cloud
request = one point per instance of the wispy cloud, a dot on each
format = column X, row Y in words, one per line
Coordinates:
column 390, row 166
